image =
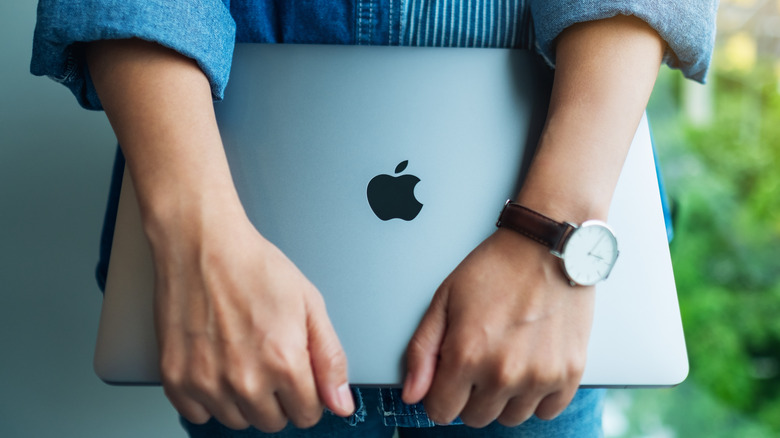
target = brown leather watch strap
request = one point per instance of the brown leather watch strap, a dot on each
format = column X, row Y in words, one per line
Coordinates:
column 534, row 225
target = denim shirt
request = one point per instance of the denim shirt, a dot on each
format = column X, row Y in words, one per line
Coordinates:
column 206, row 30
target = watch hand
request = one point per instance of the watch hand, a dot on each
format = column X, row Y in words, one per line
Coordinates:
column 596, row 245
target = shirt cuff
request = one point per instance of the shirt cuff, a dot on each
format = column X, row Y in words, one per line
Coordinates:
column 688, row 27
column 202, row 30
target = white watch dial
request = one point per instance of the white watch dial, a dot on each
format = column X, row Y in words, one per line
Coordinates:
column 590, row 253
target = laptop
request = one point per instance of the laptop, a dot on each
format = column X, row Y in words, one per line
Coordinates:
column 376, row 170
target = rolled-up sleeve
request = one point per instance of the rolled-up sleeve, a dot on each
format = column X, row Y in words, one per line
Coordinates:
column 687, row 26
column 202, row 30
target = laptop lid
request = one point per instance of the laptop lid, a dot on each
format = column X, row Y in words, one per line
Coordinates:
column 377, row 170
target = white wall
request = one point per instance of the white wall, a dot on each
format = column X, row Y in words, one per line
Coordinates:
column 55, row 163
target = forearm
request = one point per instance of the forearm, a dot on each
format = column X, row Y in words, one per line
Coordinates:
column 243, row 335
column 523, row 343
column 605, row 73
column 159, row 105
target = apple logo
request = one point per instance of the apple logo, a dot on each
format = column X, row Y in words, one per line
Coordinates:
column 393, row 197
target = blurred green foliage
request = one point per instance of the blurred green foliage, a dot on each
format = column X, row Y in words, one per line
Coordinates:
column 723, row 176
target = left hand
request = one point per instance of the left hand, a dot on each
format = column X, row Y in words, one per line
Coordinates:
column 505, row 337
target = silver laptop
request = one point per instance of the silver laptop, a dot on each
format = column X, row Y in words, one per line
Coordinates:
column 377, row 170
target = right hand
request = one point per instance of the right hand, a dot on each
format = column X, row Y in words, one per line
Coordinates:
column 244, row 336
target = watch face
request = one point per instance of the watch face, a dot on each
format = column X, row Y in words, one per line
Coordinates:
column 590, row 253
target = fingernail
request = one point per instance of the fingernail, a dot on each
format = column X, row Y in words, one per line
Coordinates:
column 345, row 398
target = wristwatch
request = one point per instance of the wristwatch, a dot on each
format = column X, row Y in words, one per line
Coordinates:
column 587, row 251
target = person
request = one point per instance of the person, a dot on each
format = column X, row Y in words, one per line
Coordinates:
column 245, row 338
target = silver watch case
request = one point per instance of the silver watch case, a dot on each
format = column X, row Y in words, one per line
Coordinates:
column 570, row 254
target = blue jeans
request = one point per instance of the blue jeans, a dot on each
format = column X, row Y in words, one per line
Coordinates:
column 582, row 419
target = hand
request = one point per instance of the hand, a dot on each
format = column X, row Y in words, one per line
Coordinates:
column 243, row 335
column 505, row 337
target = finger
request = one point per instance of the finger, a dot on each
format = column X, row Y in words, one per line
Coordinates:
column 456, row 375
column 449, row 393
column 247, row 388
column 423, row 352
column 298, row 397
column 483, row 407
column 517, row 411
column 174, row 388
column 193, row 411
column 554, row 404
column 196, row 393
column 545, row 396
column 328, row 361
column 229, row 414
column 264, row 413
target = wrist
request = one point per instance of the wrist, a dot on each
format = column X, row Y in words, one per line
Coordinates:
column 587, row 251
column 565, row 204
column 178, row 215
column 573, row 176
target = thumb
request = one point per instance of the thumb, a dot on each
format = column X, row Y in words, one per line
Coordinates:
column 328, row 361
column 423, row 351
